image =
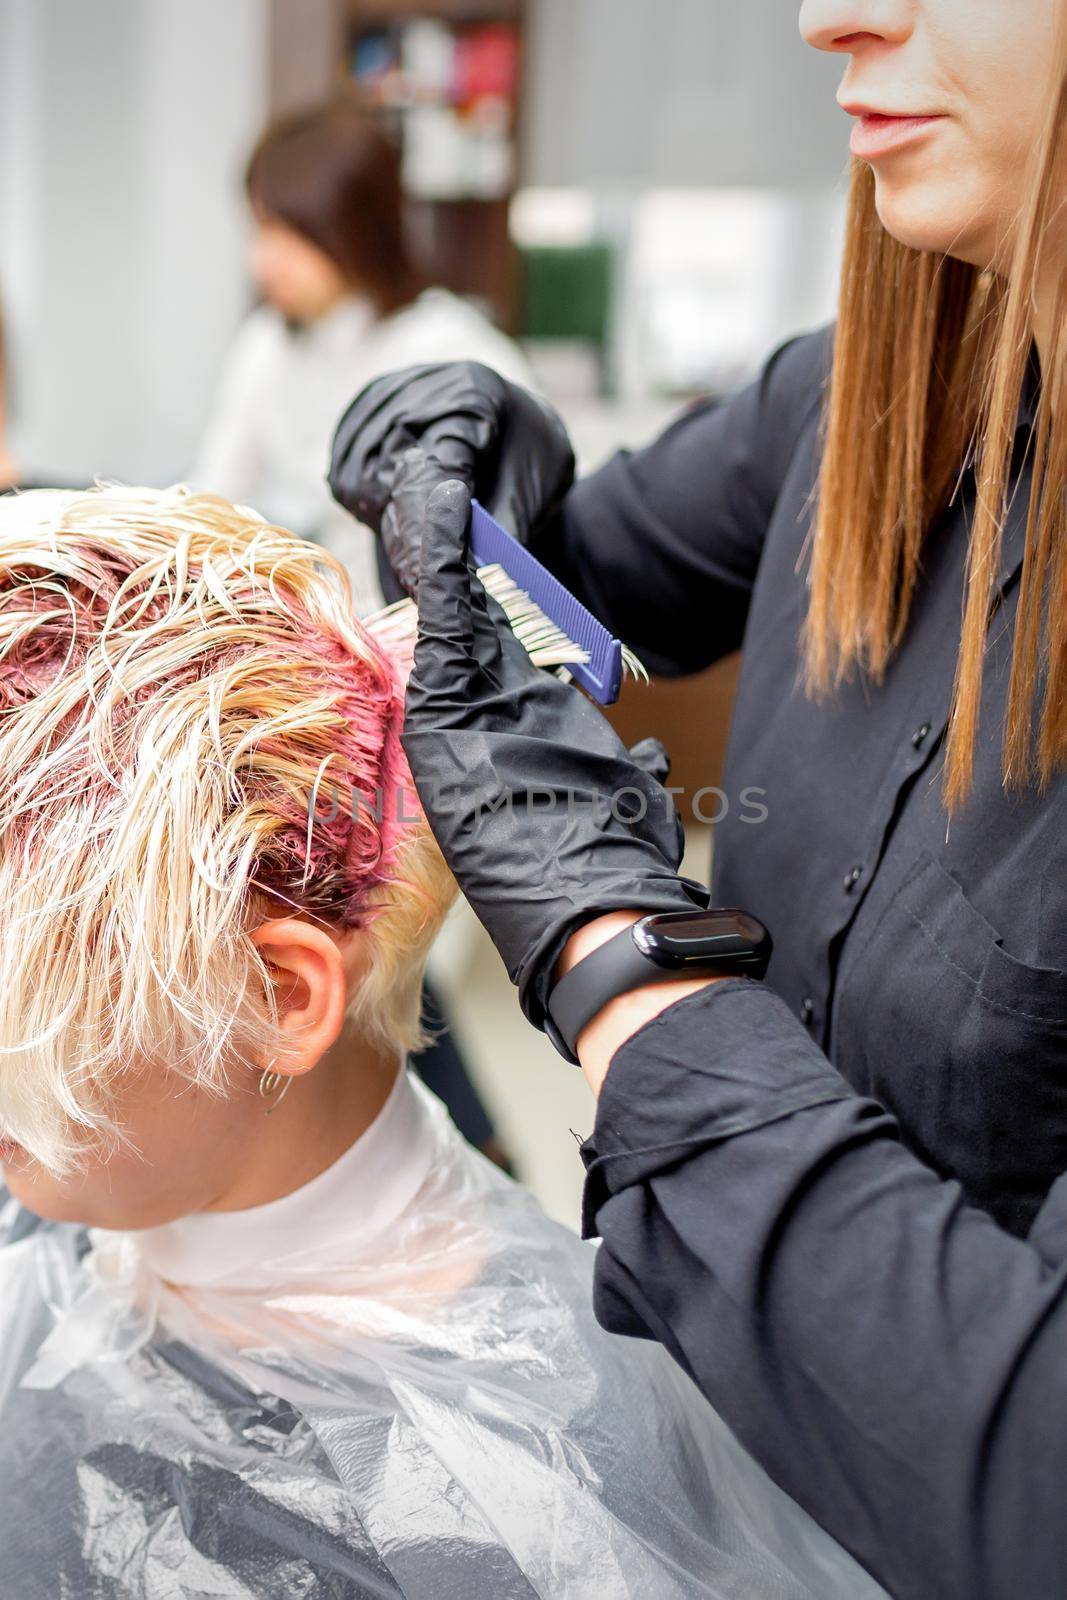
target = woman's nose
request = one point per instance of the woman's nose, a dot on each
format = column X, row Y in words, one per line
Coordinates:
column 845, row 26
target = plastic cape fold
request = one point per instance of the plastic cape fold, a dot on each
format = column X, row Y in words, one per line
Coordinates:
column 432, row 1413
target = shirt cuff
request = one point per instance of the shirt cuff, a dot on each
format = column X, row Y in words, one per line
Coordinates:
column 719, row 1063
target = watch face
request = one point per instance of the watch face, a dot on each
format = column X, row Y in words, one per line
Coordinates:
column 703, row 938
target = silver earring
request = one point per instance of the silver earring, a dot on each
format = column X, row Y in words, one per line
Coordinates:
column 268, row 1086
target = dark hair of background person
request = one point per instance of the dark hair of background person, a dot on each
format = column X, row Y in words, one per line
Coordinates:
column 333, row 174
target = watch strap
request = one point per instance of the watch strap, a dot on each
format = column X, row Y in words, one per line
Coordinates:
column 613, row 968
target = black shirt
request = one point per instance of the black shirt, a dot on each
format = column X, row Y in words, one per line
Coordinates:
column 782, row 1174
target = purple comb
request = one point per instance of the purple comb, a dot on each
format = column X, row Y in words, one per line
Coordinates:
column 601, row 673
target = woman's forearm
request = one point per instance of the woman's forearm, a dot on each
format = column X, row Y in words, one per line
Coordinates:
column 621, row 1018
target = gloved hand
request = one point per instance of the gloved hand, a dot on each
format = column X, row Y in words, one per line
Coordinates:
column 508, row 447
column 541, row 812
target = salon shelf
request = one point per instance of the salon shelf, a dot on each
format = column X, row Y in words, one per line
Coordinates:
column 463, row 233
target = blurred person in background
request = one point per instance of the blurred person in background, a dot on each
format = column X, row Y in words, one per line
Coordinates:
column 343, row 300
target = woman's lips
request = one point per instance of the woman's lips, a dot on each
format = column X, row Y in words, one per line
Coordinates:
column 876, row 133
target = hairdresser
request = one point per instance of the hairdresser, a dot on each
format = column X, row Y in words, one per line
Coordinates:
column 836, row 1194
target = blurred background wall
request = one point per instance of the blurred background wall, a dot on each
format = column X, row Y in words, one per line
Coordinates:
column 123, row 126
column 647, row 193
column 686, row 140
column 685, row 92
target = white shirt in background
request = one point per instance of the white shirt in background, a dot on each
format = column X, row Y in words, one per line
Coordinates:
column 283, row 391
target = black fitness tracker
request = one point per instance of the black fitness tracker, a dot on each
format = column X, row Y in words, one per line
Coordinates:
column 674, row 944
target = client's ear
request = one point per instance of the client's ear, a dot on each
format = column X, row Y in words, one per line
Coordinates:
column 311, row 971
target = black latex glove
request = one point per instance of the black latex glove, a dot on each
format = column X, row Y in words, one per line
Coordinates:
column 544, row 816
column 466, row 422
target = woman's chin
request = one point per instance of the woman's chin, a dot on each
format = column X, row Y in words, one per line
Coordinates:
column 96, row 1197
column 929, row 217
column 52, row 1198
column 38, row 1192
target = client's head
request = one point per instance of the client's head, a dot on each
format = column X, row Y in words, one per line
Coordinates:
column 212, row 866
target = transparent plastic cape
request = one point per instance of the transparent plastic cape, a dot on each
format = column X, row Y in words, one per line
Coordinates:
column 432, row 1413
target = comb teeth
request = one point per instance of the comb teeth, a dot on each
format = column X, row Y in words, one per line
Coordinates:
column 555, row 629
column 595, row 659
column 546, row 644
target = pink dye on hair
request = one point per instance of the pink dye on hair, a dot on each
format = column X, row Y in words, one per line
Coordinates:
column 366, row 804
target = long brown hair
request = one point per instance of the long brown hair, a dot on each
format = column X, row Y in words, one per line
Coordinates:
column 930, row 359
column 333, row 173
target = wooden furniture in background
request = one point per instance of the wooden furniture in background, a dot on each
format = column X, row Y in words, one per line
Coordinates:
column 459, row 217
column 305, row 42
column 692, row 717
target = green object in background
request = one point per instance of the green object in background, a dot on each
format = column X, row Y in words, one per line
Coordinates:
column 567, row 292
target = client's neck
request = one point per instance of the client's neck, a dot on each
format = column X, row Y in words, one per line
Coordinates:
column 319, row 1117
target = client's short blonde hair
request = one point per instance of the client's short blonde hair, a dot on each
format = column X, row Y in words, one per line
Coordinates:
column 195, row 734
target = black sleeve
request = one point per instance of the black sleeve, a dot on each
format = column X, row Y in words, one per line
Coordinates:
column 663, row 544
column 893, row 1359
